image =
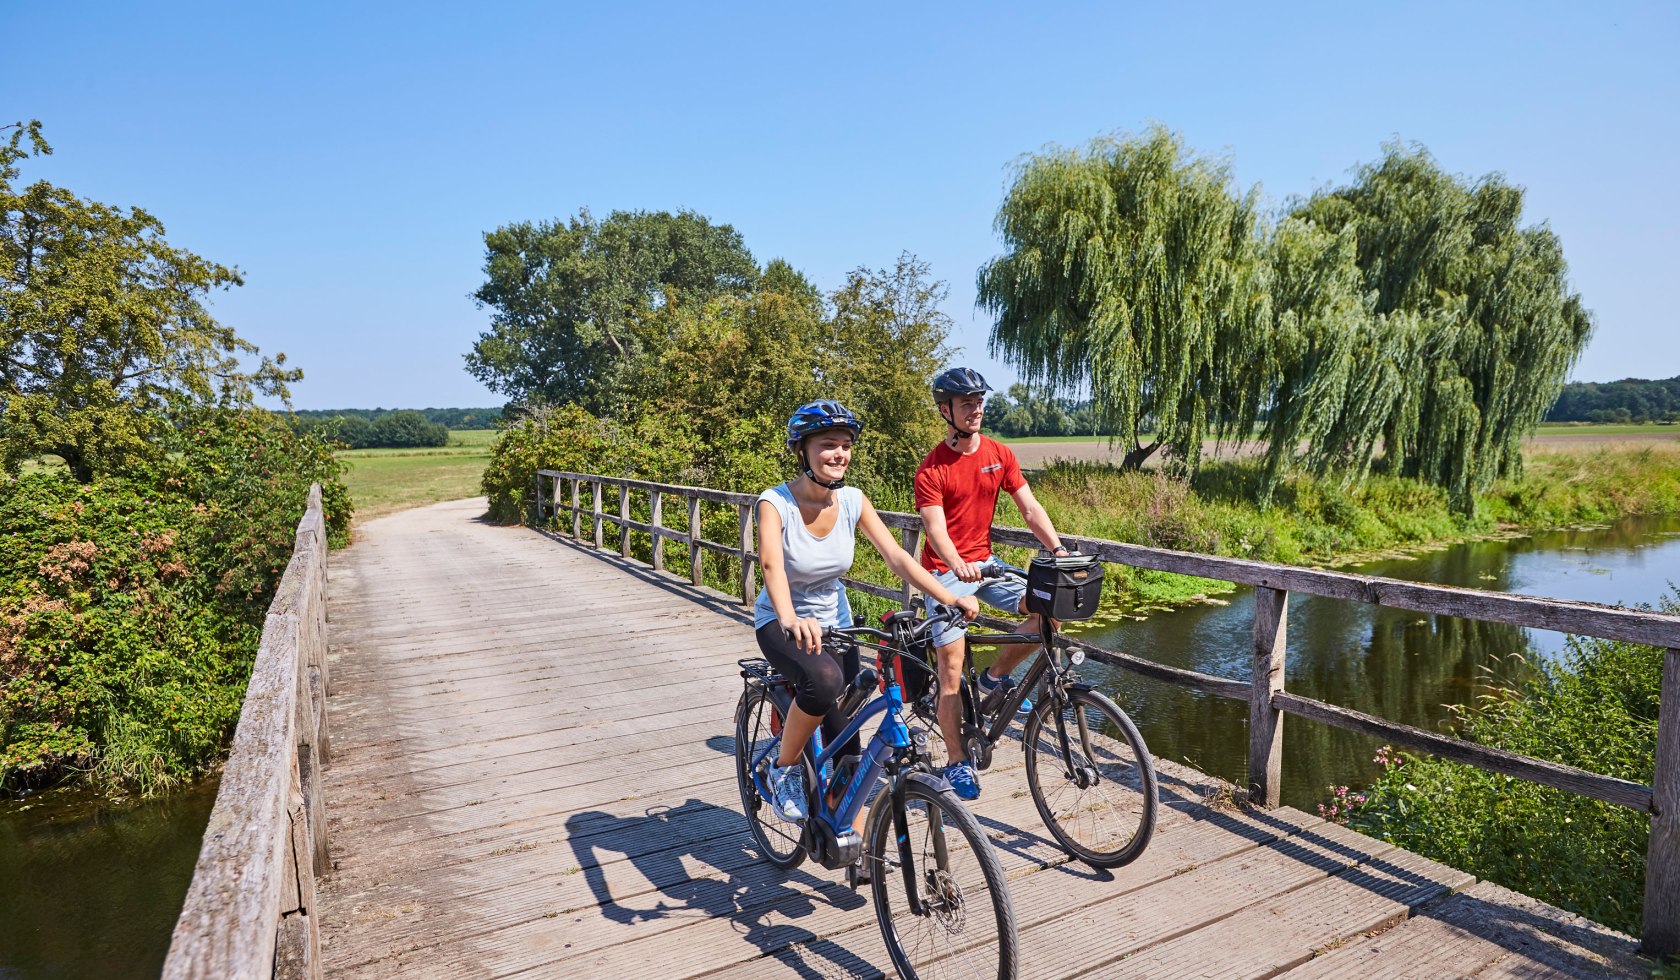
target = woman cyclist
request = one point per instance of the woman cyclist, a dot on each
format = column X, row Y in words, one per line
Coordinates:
column 805, row 540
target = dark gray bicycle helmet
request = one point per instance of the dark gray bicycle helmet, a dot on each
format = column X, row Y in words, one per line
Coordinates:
column 958, row 381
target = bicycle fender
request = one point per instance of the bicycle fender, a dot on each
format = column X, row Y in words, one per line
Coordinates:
column 928, row 779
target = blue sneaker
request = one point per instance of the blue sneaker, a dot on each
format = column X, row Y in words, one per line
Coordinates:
column 964, row 780
column 994, row 693
column 787, row 793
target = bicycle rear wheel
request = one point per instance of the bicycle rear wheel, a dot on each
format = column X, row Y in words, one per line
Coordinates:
column 1102, row 809
column 967, row 925
column 755, row 716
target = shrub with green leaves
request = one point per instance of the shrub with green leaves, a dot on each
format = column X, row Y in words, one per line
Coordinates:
column 131, row 607
column 1595, row 708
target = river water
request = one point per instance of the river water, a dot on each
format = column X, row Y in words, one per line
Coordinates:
column 1402, row 666
column 92, row 889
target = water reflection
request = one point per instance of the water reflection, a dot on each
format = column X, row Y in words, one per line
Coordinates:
column 89, row 889
column 1403, row 666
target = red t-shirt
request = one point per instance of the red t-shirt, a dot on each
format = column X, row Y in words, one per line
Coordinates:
column 967, row 486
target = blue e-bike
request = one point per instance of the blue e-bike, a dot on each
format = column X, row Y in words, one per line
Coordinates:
column 939, row 891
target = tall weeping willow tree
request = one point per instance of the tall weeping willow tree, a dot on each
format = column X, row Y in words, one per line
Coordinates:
column 1479, row 308
column 1129, row 268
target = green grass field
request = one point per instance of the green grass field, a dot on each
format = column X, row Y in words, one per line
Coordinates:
column 384, row 481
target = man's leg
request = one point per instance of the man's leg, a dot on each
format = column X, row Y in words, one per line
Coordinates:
column 950, row 660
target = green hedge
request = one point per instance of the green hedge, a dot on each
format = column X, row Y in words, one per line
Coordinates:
column 131, row 607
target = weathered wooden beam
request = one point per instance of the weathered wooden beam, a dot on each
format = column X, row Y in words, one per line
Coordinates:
column 1265, row 722
column 1193, row 680
column 907, row 538
column 694, row 541
column 624, row 522
column 595, row 514
column 228, row 922
column 1661, row 934
column 1578, row 781
column 656, row 520
column 749, row 591
column 577, row 511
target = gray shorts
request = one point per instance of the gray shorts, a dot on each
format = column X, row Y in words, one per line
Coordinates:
column 1001, row 593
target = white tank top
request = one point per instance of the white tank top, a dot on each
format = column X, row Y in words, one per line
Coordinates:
column 813, row 565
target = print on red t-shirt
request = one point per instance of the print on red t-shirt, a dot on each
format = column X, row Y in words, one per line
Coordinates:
column 967, row 486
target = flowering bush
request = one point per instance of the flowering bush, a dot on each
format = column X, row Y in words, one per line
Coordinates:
column 131, row 607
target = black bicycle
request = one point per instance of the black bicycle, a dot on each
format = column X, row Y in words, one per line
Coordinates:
column 940, row 896
column 1090, row 774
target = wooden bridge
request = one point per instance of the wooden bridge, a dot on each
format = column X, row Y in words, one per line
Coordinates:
column 530, row 773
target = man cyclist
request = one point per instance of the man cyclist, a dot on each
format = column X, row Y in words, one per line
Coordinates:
column 956, row 492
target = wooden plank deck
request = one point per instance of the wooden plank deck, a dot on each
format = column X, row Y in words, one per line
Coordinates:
column 533, row 776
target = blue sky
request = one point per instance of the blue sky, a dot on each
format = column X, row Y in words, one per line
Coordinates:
column 348, row 157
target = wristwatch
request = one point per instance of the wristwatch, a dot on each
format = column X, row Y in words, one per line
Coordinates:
column 1062, row 548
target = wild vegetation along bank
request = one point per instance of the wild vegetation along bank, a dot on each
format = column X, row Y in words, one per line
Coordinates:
column 1319, row 521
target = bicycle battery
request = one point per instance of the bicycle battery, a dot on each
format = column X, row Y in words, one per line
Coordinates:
column 1064, row 588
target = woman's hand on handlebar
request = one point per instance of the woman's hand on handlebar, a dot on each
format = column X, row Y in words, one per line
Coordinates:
column 806, row 634
column 968, row 606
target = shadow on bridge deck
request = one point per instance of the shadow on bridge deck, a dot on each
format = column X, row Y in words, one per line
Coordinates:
column 535, row 777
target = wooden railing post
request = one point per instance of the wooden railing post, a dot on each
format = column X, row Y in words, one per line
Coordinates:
column 624, row 521
column 597, row 514
column 656, row 517
column 1265, row 722
column 1661, row 936
column 537, row 518
column 749, row 591
column 907, row 537
column 694, row 540
column 577, row 511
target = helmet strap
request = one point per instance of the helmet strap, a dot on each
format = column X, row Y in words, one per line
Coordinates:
column 957, row 436
column 805, row 468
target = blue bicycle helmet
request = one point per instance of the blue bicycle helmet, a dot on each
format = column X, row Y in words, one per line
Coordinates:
column 816, row 416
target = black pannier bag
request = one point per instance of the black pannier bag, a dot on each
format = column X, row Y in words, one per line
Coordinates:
column 1064, row 588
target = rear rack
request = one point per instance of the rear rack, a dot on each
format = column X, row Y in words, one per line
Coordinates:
column 758, row 668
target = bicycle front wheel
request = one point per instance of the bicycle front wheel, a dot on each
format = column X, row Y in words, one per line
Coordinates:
column 963, row 925
column 757, row 725
column 1096, row 791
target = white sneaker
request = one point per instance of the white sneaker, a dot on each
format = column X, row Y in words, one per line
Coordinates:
column 787, row 792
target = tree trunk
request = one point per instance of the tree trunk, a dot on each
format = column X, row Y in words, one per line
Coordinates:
column 1137, row 454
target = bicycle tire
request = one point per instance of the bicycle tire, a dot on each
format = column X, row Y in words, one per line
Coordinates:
column 1108, row 822
column 946, row 942
column 779, row 843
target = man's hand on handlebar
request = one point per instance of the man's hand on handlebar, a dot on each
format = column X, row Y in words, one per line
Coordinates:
column 967, row 571
column 806, row 634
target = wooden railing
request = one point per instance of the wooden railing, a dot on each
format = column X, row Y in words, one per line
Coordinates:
column 250, row 911
column 1268, row 701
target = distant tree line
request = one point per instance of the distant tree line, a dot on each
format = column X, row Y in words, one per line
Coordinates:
column 1024, row 411
column 1628, row 400
column 449, row 418
column 401, row 429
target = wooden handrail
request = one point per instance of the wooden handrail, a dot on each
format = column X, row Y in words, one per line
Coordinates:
column 250, row 910
column 1268, row 701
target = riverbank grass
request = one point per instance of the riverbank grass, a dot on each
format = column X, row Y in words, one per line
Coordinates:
column 1318, row 522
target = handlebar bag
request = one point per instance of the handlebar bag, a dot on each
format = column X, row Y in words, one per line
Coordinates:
column 1065, row 588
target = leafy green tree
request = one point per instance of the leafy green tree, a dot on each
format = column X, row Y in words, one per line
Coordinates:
column 1498, row 327
column 571, row 301
column 1128, row 268
column 103, row 327
column 407, row 428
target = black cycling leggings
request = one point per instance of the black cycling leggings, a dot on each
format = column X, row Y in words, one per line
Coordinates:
column 818, row 678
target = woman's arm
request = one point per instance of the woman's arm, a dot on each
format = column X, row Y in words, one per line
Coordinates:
column 907, row 568
column 807, row 633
